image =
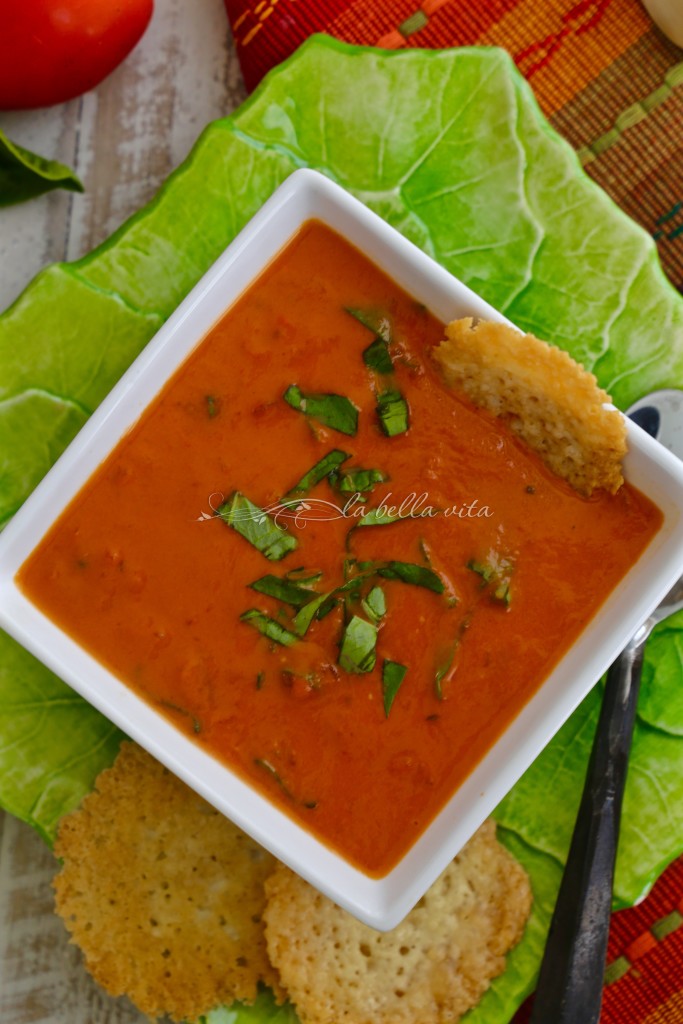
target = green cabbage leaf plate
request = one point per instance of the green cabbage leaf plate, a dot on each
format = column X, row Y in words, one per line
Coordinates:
column 450, row 147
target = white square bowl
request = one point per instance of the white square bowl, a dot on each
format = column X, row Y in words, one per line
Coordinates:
column 382, row 902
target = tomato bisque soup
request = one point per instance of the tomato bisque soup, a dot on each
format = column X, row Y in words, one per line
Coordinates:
column 332, row 571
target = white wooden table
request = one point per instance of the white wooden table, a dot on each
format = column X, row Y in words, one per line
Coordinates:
column 123, row 139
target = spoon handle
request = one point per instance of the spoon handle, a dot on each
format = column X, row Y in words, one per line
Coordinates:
column 570, row 984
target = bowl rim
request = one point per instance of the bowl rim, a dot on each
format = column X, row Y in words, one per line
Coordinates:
column 378, row 902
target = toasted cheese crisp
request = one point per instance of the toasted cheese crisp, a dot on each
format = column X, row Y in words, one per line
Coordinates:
column 431, row 969
column 549, row 401
column 162, row 893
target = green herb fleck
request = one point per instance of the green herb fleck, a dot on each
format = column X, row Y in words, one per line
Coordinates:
column 393, row 675
column 268, row 627
column 333, row 411
column 316, row 473
column 260, row 679
column 196, row 724
column 261, row 762
column 392, row 410
column 256, row 526
column 213, row 406
column 447, row 665
column 357, row 653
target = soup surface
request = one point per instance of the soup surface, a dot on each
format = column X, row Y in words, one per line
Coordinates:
column 357, row 665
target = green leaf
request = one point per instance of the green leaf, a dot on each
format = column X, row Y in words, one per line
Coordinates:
column 296, row 593
column 357, row 653
column 333, row 411
column 268, row 627
column 418, row 575
column 315, row 474
column 392, row 411
column 53, row 743
column 24, row 175
column 393, row 675
column 264, row 1010
column 661, row 697
column 376, row 357
column 256, row 526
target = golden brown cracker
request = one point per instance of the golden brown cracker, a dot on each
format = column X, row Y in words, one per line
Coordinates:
column 431, row 969
column 162, row 893
column 553, row 404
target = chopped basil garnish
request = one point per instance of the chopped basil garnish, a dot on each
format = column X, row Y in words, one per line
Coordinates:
column 333, row 411
column 440, row 673
column 256, row 526
column 319, row 605
column 358, row 481
column 261, row 762
column 407, row 572
column 393, row 675
column 326, row 607
column 447, row 665
column 375, row 605
column 269, row 627
column 302, row 575
column 392, row 410
column 496, row 573
column 196, row 724
column 374, row 321
column 378, row 517
column 376, row 357
column 357, row 653
column 305, row 616
column 296, row 593
column 374, row 517
column 316, row 473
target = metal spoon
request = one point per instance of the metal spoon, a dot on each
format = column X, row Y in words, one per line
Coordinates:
column 570, row 984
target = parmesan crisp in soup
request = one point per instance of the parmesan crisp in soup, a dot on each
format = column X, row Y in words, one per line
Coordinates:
column 325, row 565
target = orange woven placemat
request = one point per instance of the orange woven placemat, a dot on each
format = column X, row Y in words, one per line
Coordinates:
column 612, row 84
column 644, row 975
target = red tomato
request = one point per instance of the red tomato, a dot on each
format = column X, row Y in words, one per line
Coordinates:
column 53, row 50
